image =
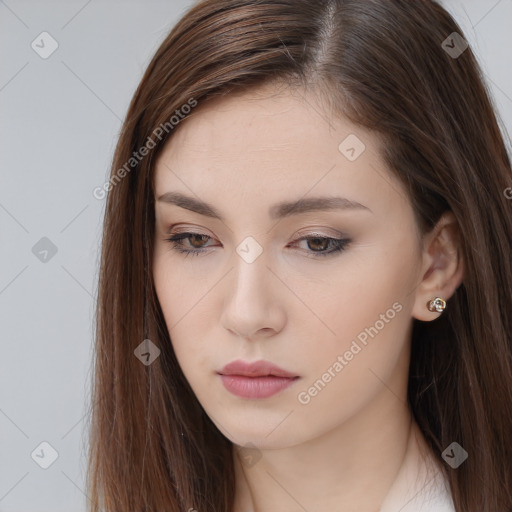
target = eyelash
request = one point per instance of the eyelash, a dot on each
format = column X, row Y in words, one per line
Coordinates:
column 177, row 245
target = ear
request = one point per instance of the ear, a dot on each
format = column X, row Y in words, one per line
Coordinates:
column 442, row 268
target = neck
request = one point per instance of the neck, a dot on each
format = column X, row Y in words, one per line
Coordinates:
column 351, row 467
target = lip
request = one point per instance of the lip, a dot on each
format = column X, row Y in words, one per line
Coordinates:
column 260, row 379
column 257, row 369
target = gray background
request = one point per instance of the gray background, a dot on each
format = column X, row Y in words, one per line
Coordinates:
column 60, row 120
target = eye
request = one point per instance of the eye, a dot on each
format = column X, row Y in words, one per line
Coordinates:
column 317, row 245
column 196, row 241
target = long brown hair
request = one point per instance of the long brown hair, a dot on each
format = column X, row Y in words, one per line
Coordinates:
column 383, row 65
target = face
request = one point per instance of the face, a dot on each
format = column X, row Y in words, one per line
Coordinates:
column 323, row 290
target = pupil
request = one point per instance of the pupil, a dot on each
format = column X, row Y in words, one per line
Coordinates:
column 322, row 242
column 195, row 238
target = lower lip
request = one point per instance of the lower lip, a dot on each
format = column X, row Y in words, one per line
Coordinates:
column 256, row 387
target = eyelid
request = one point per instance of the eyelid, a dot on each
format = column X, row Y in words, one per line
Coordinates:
column 315, row 233
column 320, row 232
column 185, row 228
column 340, row 244
column 304, row 233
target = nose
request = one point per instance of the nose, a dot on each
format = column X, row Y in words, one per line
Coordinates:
column 253, row 304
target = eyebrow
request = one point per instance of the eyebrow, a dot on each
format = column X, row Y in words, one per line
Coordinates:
column 277, row 211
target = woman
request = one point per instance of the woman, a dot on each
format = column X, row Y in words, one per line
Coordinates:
column 304, row 299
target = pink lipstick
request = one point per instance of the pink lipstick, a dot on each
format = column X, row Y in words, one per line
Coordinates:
column 260, row 379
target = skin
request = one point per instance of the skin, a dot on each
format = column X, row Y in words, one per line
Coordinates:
column 345, row 448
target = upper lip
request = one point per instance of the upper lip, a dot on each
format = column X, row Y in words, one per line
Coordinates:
column 255, row 369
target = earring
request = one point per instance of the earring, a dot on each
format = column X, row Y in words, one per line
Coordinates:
column 436, row 304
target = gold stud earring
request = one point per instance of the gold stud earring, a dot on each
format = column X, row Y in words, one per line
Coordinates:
column 436, row 304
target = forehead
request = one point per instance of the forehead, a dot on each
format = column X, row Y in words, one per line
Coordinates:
column 271, row 144
column 266, row 122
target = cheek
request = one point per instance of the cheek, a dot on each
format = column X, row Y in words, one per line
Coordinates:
column 365, row 312
column 362, row 286
column 366, row 359
column 182, row 301
column 177, row 288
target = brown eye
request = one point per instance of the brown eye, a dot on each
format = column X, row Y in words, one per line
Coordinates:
column 196, row 241
column 318, row 244
column 189, row 243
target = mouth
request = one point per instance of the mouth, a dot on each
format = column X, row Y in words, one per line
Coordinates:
column 257, row 380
